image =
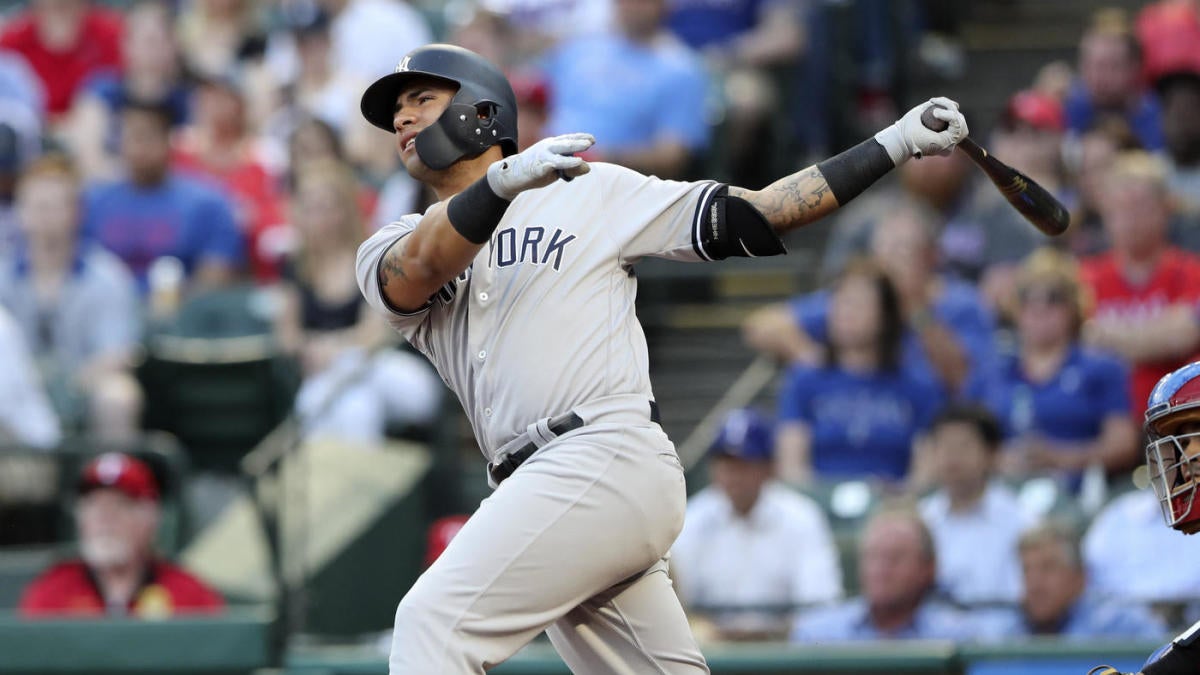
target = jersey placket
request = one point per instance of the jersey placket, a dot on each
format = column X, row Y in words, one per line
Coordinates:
column 480, row 331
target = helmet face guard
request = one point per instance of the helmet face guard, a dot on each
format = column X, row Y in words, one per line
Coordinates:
column 1175, row 477
column 462, row 131
column 1173, row 446
column 482, row 113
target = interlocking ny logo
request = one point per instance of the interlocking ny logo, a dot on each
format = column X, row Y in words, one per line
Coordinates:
column 403, row 64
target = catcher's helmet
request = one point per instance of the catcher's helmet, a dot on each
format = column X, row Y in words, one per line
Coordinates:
column 745, row 434
column 1174, row 457
column 483, row 113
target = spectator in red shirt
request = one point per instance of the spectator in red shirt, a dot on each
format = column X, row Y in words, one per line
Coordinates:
column 1145, row 290
column 219, row 145
column 64, row 42
column 118, row 572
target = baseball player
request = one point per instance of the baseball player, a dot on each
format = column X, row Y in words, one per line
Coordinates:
column 518, row 285
column 1173, row 457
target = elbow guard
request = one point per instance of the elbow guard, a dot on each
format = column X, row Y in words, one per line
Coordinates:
column 731, row 227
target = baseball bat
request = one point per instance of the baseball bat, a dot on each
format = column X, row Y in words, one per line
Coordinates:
column 1030, row 199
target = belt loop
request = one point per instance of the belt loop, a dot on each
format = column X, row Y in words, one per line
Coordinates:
column 539, row 432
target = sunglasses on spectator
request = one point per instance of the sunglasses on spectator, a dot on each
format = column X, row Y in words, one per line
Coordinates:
column 1042, row 296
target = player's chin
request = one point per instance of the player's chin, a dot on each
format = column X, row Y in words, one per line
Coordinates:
column 415, row 167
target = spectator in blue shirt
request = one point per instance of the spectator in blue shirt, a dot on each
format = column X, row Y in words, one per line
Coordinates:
column 950, row 330
column 77, row 307
column 637, row 89
column 859, row 412
column 896, row 571
column 1056, row 600
column 1110, row 83
column 154, row 213
column 1063, row 406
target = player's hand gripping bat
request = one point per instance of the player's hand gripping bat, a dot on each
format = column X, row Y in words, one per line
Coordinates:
column 1030, row 199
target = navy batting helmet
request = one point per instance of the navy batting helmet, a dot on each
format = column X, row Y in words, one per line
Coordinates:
column 483, row 112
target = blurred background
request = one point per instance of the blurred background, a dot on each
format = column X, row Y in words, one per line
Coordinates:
column 913, row 444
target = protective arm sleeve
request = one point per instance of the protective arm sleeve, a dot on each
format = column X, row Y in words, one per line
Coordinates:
column 731, row 227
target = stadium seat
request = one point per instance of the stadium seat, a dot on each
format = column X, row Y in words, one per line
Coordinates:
column 215, row 379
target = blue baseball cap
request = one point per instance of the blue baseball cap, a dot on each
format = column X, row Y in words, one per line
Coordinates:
column 745, row 434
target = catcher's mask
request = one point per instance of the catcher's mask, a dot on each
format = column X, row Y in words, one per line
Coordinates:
column 482, row 113
column 1173, row 446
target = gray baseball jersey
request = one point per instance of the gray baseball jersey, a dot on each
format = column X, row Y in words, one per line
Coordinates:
column 541, row 324
column 543, row 319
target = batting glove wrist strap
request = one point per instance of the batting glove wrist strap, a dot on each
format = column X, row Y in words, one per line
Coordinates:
column 476, row 211
column 539, row 165
column 850, row 172
column 893, row 143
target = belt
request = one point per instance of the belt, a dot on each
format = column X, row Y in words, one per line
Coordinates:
column 505, row 467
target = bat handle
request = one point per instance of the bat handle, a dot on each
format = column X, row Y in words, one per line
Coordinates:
column 973, row 149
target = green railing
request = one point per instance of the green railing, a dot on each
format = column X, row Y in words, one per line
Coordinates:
column 911, row 658
column 234, row 642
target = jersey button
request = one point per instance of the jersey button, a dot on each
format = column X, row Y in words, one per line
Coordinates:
column 483, row 296
column 487, row 412
column 482, row 354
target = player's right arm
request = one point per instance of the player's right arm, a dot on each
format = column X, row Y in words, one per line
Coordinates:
column 450, row 234
column 417, row 265
column 814, row 192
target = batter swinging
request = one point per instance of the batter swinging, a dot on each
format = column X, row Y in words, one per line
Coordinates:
column 519, row 287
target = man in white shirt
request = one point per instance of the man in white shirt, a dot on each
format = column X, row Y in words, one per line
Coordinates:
column 1124, row 541
column 751, row 549
column 975, row 521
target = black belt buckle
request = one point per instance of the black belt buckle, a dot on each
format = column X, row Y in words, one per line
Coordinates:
column 505, row 467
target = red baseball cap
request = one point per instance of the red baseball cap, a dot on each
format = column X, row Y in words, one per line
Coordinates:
column 1036, row 109
column 440, row 533
column 121, row 472
column 1170, row 37
column 530, row 89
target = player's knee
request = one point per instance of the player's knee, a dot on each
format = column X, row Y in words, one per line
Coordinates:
column 412, row 612
column 428, row 612
column 428, row 638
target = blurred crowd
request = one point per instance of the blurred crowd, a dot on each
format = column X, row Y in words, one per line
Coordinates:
column 968, row 394
column 967, row 390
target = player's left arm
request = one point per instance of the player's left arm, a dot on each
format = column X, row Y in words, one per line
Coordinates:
column 816, row 191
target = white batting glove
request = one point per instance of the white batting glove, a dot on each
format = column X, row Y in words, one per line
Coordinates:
column 909, row 137
column 539, row 165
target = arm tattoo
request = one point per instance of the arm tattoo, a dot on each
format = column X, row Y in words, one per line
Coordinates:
column 792, row 200
column 390, row 267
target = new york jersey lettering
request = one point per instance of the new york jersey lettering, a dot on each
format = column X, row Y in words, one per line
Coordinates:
column 532, row 245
